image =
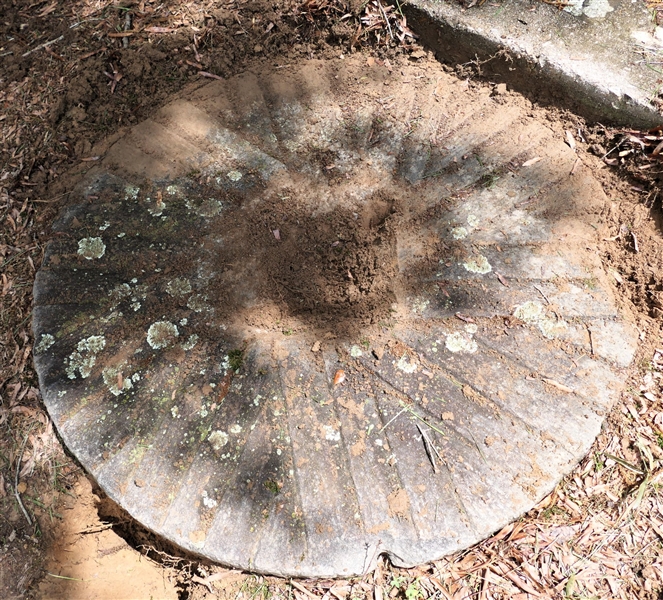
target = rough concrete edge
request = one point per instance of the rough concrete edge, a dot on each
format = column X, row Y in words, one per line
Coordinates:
column 441, row 28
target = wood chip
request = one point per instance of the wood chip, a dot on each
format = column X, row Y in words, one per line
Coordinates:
column 532, row 161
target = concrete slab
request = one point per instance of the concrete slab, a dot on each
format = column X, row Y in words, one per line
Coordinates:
column 600, row 59
column 308, row 316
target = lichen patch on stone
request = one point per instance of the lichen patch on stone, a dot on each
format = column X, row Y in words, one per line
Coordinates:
column 405, row 365
column 234, row 175
column 162, row 334
column 45, row 342
column 85, row 356
column 191, row 341
column 90, row 248
column 218, row 439
column 179, row 286
column 461, row 342
column 459, row 233
column 478, row 264
column 534, row 313
column 114, row 378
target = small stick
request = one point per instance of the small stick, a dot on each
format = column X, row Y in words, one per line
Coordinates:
column 538, row 289
column 636, row 247
column 427, row 447
column 392, row 420
column 44, row 45
column 18, row 496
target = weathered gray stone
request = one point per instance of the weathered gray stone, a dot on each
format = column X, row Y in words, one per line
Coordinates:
column 306, row 438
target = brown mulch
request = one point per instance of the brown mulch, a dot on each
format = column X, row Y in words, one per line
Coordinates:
column 73, row 73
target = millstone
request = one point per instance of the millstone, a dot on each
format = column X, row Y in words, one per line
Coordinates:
column 311, row 315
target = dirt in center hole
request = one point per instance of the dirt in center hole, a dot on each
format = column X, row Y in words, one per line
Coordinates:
column 334, row 268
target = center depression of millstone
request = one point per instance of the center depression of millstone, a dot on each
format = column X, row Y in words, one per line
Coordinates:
column 336, row 268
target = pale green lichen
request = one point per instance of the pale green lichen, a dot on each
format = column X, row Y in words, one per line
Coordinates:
column 90, row 248
column 459, row 233
column 356, row 352
column 119, row 292
column 45, row 342
column 234, row 175
column 131, row 192
column 479, row 264
column 210, row 208
column 419, row 305
column 157, row 209
column 218, row 439
column 179, row 286
column 105, row 226
column 85, row 356
column 191, row 341
column 472, row 221
column 405, row 365
column 461, row 342
column 162, row 334
column 113, row 377
column 198, row 303
column 172, row 190
column 534, row 313
column 236, row 428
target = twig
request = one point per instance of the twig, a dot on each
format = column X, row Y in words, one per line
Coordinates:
column 386, row 20
column 636, row 247
column 428, row 446
column 210, row 75
column 44, row 45
column 18, row 496
column 538, row 289
column 392, row 420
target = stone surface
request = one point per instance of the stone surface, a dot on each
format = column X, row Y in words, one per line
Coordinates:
column 301, row 318
column 595, row 57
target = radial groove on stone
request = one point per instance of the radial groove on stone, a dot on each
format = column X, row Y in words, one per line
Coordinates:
column 301, row 318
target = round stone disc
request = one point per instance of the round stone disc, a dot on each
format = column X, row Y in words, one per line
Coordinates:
column 311, row 315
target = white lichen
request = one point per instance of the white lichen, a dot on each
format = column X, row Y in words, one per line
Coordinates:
column 534, row 313
column 85, row 356
column 157, row 209
column 331, row 434
column 179, row 286
column 113, row 379
column 207, row 501
column 218, row 439
column 355, row 352
column 210, row 208
column 90, row 248
column 105, row 226
column 45, row 342
column 473, row 221
column 405, row 365
column 198, row 303
column 234, row 175
column 236, row 428
column 459, row 233
column 461, row 342
column 131, row 192
column 162, row 334
column 191, row 341
column 479, row 264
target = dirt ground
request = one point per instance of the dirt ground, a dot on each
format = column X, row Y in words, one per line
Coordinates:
column 72, row 74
